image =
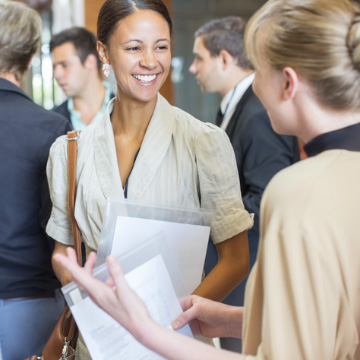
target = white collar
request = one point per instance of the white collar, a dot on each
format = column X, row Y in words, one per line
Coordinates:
column 232, row 98
column 149, row 159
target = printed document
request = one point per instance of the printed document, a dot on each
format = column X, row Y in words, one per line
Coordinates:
column 108, row 340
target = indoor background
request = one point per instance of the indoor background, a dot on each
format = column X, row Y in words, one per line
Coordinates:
column 180, row 89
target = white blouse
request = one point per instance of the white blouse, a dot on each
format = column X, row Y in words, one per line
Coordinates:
column 182, row 162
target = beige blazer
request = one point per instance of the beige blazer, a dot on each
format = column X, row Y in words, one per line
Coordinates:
column 182, row 162
column 302, row 299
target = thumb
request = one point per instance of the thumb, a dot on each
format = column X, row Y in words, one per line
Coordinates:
column 184, row 318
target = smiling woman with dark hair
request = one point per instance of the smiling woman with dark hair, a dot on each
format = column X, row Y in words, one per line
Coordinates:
column 147, row 150
column 302, row 296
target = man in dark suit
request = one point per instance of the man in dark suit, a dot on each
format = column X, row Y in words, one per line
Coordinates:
column 221, row 65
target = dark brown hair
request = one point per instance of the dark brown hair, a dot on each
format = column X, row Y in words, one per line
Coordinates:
column 225, row 34
column 84, row 42
column 113, row 11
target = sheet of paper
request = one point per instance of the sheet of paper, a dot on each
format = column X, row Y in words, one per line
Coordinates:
column 188, row 243
column 106, row 339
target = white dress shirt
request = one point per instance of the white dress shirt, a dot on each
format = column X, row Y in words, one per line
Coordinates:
column 232, row 98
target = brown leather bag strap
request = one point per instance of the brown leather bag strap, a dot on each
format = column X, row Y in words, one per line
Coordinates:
column 72, row 137
column 62, row 341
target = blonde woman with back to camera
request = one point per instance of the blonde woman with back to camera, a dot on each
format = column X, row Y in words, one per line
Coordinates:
column 302, row 297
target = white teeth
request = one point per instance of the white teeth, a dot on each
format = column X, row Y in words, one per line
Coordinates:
column 145, row 78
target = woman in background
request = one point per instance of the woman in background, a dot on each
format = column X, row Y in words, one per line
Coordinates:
column 302, row 297
column 30, row 299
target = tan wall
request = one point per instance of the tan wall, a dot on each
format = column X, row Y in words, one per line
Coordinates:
column 92, row 8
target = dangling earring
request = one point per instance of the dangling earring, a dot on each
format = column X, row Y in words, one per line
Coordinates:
column 106, row 69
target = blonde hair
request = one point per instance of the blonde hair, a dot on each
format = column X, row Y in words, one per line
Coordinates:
column 19, row 37
column 320, row 39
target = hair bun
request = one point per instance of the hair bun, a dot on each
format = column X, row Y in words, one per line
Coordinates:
column 353, row 40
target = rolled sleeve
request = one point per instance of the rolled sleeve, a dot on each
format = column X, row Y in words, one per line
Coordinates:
column 219, row 185
column 59, row 224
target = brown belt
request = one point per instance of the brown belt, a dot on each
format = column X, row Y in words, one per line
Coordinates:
column 48, row 294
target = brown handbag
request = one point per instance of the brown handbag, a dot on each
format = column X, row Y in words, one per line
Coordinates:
column 62, row 342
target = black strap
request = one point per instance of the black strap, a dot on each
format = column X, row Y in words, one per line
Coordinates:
column 127, row 179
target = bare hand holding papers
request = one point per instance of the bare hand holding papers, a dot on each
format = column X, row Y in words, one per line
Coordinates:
column 104, row 337
column 162, row 252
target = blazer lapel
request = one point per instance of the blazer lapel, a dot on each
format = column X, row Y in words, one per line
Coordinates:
column 153, row 149
column 105, row 157
column 239, row 108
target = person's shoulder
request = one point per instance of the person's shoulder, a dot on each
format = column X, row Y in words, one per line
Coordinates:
column 62, row 109
column 53, row 116
column 207, row 138
column 87, row 135
column 22, row 105
column 249, row 116
column 299, row 183
column 194, row 125
column 254, row 113
column 47, row 120
column 287, row 195
column 59, row 108
column 303, row 198
column 58, row 148
column 84, row 137
column 252, row 102
column 254, row 117
column 191, row 129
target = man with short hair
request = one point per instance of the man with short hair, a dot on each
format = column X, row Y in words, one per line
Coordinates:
column 77, row 70
column 221, row 65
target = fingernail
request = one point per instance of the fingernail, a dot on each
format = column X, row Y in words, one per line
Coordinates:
column 176, row 324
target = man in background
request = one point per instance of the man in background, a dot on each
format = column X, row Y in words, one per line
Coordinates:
column 77, row 70
column 221, row 65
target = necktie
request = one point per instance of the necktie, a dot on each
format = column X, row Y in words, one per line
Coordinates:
column 219, row 118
